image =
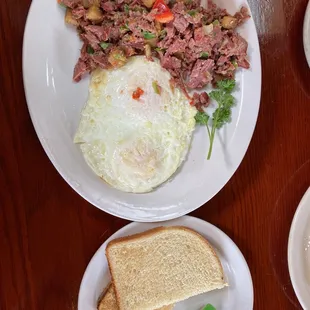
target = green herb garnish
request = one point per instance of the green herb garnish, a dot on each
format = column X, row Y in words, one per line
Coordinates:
column 192, row 12
column 226, row 85
column 204, row 55
column 222, row 115
column 148, row 35
column 209, row 307
column 216, row 23
column 202, row 118
column 90, row 50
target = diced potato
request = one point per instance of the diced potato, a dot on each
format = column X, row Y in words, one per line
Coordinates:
column 229, row 22
column 158, row 26
column 94, row 14
column 117, row 58
column 152, row 42
column 148, row 51
column 95, row 2
column 69, row 18
column 179, row 55
column 148, row 3
column 86, row 4
column 208, row 29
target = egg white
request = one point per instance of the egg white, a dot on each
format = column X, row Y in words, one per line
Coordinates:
column 135, row 145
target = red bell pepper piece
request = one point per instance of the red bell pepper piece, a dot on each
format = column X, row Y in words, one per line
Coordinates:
column 164, row 14
column 137, row 93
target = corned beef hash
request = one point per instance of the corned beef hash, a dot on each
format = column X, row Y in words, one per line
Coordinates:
column 150, row 62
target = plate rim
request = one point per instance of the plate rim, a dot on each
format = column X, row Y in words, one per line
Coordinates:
column 208, row 226
column 113, row 207
column 300, row 213
column 306, row 33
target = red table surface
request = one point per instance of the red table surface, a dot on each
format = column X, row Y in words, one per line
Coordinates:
column 48, row 233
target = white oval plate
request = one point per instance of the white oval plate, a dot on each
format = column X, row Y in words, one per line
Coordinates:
column 306, row 33
column 239, row 294
column 50, row 52
column 299, row 251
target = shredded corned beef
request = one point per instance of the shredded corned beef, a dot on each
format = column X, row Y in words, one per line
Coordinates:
column 201, row 74
column 78, row 12
column 109, row 6
column 200, row 100
column 102, row 33
column 198, row 46
column 71, row 3
column 180, row 23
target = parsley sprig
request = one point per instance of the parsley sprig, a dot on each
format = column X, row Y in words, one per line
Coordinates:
column 222, row 115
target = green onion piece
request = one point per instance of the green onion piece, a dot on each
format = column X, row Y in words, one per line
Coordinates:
column 156, row 87
column 126, row 8
column 204, row 55
column 104, row 45
column 235, row 63
column 124, row 27
column 192, row 13
column 148, row 35
column 159, row 49
column 209, row 307
column 118, row 56
column 90, row 50
column 216, row 23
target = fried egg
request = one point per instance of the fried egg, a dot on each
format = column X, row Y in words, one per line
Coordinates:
column 135, row 144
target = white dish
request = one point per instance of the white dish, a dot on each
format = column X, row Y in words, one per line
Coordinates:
column 55, row 102
column 239, row 294
column 299, row 251
column 306, row 33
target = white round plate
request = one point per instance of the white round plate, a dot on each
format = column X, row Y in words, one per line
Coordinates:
column 50, row 52
column 299, row 251
column 239, row 294
column 306, row 33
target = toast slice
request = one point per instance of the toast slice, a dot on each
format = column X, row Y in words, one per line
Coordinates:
column 108, row 300
column 162, row 266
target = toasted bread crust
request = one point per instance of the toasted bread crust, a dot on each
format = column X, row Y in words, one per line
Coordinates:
column 103, row 294
column 110, row 287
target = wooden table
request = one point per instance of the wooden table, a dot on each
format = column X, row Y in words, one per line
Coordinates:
column 48, row 233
